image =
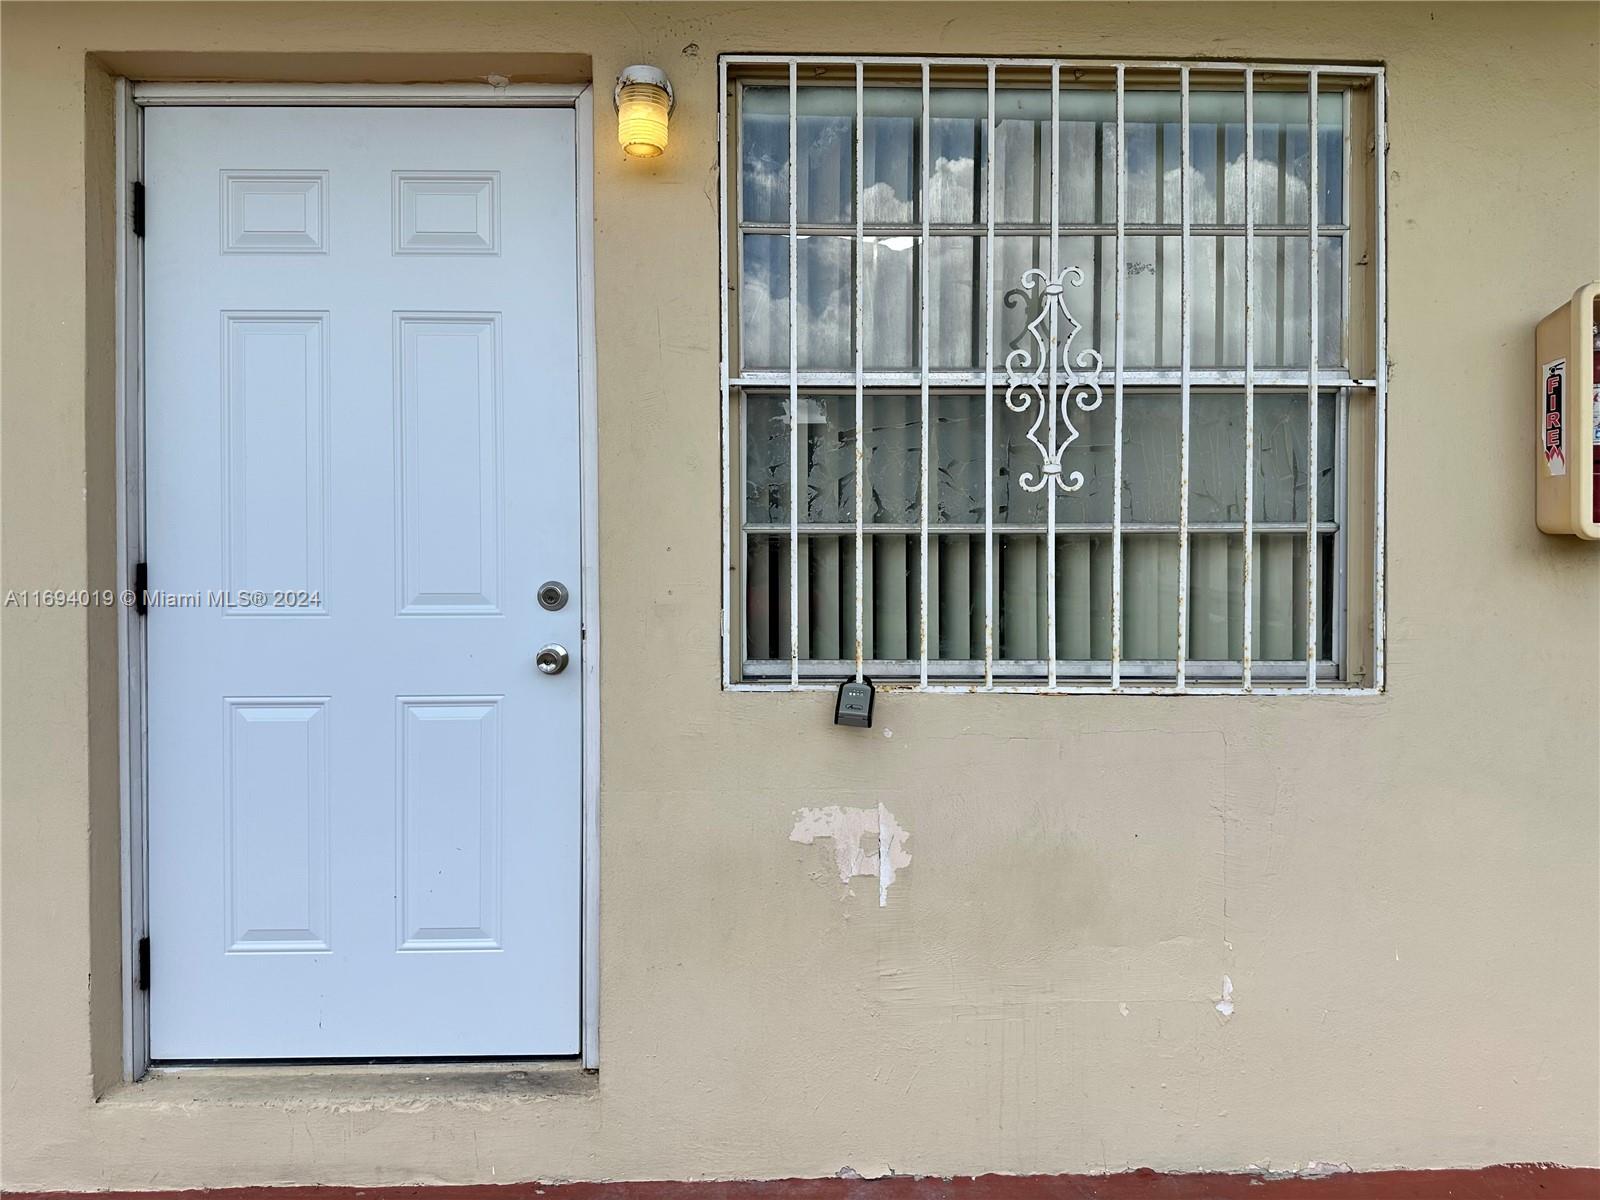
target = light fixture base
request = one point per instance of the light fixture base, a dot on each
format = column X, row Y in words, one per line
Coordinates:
column 643, row 73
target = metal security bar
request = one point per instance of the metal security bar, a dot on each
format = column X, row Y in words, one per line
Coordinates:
column 1185, row 333
column 1245, row 672
column 1313, row 335
column 861, row 410
column 794, row 379
column 810, row 379
column 1117, row 383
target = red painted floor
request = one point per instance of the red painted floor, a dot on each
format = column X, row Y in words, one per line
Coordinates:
column 1512, row 1182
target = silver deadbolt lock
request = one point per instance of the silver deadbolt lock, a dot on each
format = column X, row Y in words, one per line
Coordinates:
column 552, row 659
column 552, row 595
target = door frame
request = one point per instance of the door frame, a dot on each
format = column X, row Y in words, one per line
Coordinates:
column 132, row 98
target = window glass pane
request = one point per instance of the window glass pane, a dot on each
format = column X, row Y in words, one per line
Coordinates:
column 1216, row 148
column 1149, row 596
column 1330, row 302
column 766, row 547
column 764, row 301
column 1153, row 300
column 829, row 605
column 1147, row 309
column 1282, row 168
column 891, row 155
column 955, row 303
column 1278, row 583
column 956, row 445
column 825, row 133
column 893, row 498
column 766, row 459
column 891, row 315
column 1020, row 582
column 1278, row 599
column 827, row 458
column 1090, row 299
column 1089, row 454
column 1283, row 301
column 828, row 463
column 1216, row 560
column 1083, row 559
column 1015, row 456
column 1150, row 458
column 956, row 310
column 1014, row 305
column 1216, row 451
column 957, row 152
column 1216, row 457
column 1330, row 157
column 826, row 562
column 1212, row 117
column 1022, row 155
column 1281, row 456
column 1083, row 598
column 1216, row 298
column 827, row 296
column 1153, row 281
column 893, row 449
column 764, row 154
column 896, row 596
column 1216, row 156
column 1155, row 158
column 1216, row 597
column 1088, row 156
column 766, row 628
column 1147, row 151
column 956, row 596
column 1091, row 302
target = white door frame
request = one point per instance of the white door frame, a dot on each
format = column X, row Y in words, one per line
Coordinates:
column 131, row 98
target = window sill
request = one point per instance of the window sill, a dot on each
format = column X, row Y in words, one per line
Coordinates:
column 363, row 1087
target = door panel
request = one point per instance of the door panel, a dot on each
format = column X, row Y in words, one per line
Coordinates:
column 362, row 401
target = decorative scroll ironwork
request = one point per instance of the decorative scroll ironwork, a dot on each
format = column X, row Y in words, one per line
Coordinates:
column 1036, row 379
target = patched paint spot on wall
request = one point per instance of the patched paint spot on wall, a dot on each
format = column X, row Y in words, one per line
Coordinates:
column 1224, row 1003
column 849, row 827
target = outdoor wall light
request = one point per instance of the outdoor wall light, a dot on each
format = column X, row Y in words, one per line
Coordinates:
column 644, row 101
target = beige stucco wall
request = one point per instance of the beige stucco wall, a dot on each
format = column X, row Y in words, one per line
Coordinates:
column 1404, row 890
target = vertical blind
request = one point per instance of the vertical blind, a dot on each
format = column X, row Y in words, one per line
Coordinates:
column 879, row 241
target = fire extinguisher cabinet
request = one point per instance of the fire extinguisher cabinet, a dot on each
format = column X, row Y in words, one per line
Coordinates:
column 1567, row 451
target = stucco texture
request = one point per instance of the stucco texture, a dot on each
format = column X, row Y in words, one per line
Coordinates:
column 1403, row 889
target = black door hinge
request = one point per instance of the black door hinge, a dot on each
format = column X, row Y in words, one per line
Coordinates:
column 141, row 585
column 144, row 964
column 138, row 208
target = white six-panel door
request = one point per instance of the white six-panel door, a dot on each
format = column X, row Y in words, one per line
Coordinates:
column 362, row 461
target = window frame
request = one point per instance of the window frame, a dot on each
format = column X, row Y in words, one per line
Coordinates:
column 1326, row 669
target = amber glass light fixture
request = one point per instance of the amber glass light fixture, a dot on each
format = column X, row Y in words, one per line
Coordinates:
column 644, row 102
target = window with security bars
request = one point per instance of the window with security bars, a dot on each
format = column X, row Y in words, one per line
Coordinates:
column 1048, row 375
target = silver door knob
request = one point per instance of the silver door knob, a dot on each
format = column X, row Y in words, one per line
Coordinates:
column 552, row 659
